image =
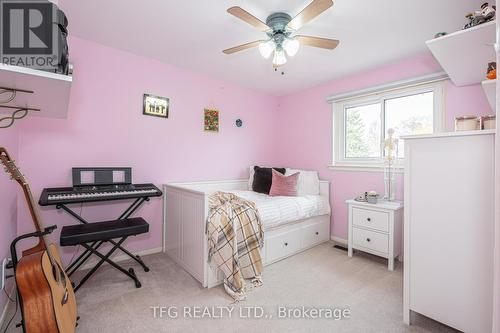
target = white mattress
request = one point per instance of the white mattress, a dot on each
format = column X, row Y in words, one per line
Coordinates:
column 275, row 211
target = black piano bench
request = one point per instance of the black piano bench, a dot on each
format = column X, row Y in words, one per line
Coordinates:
column 92, row 235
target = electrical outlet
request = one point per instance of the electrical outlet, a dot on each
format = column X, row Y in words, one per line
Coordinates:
column 4, row 272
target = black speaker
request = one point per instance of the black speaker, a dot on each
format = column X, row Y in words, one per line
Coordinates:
column 61, row 23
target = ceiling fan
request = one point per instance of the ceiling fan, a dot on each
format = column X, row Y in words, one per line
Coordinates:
column 280, row 29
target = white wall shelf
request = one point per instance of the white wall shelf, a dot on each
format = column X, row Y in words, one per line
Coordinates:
column 51, row 91
column 490, row 87
column 465, row 54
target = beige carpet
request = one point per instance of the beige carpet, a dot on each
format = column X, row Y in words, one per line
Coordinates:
column 323, row 277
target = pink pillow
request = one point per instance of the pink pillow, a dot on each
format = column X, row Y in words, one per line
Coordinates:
column 284, row 185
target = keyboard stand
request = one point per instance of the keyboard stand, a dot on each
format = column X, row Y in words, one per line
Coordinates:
column 92, row 249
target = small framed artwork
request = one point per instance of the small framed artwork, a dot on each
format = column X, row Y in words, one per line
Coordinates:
column 211, row 120
column 156, row 106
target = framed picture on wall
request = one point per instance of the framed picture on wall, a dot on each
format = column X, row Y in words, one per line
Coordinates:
column 211, row 120
column 155, row 106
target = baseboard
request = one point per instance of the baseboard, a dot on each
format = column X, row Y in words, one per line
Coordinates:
column 122, row 257
column 7, row 306
column 339, row 240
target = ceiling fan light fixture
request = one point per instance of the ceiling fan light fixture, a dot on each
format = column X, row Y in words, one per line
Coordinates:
column 279, row 28
column 267, row 48
column 279, row 57
column 291, row 46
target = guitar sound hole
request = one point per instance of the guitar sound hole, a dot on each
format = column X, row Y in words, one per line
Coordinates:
column 58, row 275
column 62, row 277
column 55, row 273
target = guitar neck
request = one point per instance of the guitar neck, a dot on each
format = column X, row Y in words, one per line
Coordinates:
column 37, row 220
column 12, row 169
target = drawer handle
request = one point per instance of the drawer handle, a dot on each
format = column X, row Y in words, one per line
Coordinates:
column 317, row 233
column 368, row 240
column 369, row 219
column 286, row 244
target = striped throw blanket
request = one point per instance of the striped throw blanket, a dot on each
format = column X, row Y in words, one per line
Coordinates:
column 235, row 237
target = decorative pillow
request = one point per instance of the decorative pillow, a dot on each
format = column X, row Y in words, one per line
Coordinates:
column 308, row 183
column 251, row 172
column 263, row 178
column 284, row 185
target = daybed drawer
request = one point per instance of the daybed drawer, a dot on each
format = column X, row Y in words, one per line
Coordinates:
column 282, row 245
column 315, row 233
column 370, row 219
column 370, row 240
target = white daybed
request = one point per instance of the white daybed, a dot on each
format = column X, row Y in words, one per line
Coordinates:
column 291, row 224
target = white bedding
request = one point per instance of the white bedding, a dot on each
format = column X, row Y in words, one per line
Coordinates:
column 275, row 211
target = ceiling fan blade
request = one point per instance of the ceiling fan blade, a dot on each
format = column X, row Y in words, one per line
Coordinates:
column 310, row 12
column 242, row 47
column 248, row 18
column 323, row 43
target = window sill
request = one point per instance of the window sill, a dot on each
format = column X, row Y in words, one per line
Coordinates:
column 364, row 168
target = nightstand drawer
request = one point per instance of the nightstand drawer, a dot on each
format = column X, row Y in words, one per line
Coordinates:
column 370, row 219
column 370, row 240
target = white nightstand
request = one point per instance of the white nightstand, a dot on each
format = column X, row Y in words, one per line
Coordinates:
column 376, row 228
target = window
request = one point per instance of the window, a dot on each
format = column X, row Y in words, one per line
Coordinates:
column 361, row 123
column 410, row 115
column 362, row 131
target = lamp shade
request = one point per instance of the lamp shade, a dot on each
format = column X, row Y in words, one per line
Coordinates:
column 291, row 46
column 279, row 57
column 267, row 48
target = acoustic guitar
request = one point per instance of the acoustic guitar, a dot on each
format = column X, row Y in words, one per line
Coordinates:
column 48, row 299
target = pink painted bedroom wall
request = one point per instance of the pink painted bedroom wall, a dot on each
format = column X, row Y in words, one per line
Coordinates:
column 106, row 127
column 8, row 203
column 305, row 128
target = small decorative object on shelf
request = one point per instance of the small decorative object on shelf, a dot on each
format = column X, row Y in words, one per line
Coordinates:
column 440, row 34
column 486, row 14
column 372, row 197
column 488, row 122
column 491, row 74
column 239, row 122
column 467, row 123
column 47, row 49
column 211, row 122
column 155, row 106
column 391, row 155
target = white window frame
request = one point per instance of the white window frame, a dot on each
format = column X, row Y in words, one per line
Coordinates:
column 339, row 161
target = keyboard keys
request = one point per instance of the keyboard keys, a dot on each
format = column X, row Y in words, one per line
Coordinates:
column 98, row 194
column 68, row 194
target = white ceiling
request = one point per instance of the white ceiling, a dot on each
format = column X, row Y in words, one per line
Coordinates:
column 192, row 34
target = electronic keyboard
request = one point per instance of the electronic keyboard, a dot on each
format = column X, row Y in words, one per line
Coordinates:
column 80, row 194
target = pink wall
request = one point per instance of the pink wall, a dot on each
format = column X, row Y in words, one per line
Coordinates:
column 8, row 202
column 105, row 127
column 305, row 121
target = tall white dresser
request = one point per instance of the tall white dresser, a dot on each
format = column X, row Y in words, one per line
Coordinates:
column 449, row 228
